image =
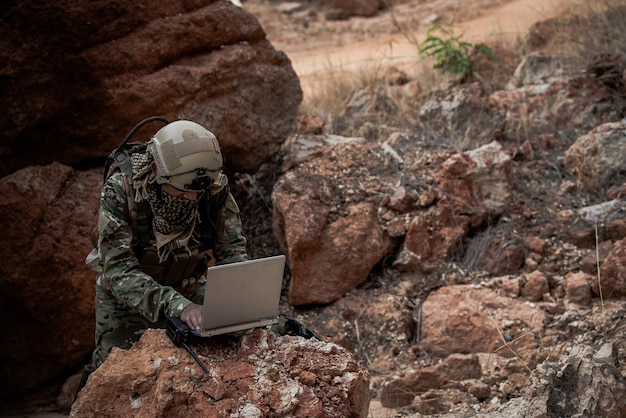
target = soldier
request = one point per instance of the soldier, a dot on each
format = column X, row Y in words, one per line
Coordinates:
column 155, row 228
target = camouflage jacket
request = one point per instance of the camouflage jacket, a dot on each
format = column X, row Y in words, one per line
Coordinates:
column 123, row 272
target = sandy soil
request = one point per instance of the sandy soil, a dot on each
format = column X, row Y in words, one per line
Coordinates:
column 318, row 47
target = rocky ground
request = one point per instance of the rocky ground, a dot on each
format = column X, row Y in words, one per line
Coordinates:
column 359, row 321
column 542, row 188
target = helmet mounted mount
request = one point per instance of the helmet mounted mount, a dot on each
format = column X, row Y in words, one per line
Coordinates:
column 200, row 182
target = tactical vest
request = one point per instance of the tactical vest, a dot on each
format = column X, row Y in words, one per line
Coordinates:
column 182, row 265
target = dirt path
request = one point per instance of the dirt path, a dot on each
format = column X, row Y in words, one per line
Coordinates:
column 504, row 22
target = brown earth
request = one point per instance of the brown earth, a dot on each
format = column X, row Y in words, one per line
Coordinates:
column 318, row 47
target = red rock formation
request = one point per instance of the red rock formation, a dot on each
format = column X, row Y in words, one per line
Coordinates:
column 46, row 291
column 464, row 319
column 77, row 76
column 328, row 225
column 259, row 375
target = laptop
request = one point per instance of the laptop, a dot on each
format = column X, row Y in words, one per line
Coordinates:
column 242, row 295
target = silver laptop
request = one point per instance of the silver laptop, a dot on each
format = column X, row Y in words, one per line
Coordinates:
column 242, row 295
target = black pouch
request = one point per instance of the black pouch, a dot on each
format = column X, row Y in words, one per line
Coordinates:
column 289, row 326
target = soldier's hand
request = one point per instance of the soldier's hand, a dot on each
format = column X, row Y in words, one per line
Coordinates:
column 192, row 316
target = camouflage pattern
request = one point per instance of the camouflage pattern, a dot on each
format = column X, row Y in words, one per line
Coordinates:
column 128, row 300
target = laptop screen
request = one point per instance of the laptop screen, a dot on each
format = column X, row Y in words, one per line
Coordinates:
column 242, row 295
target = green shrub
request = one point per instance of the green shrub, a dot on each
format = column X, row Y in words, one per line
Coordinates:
column 452, row 55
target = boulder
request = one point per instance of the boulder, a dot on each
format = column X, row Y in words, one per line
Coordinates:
column 542, row 98
column 471, row 319
column 597, row 159
column 77, row 76
column 472, row 188
column 340, row 194
column 326, row 220
column 431, row 238
column 463, row 115
column 582, row 382
column 477, row 183
column 578, row 287
column 613, row 271
column 261, row 374
column 596, row 223
column 538, row 68
column 535, row 286
column 46, row 291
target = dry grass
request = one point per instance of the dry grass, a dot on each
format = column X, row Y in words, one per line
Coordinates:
column 587, row 29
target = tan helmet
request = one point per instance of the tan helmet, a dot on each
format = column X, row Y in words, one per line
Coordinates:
column 187, row 156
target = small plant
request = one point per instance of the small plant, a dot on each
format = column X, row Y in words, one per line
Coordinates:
column 452, row 55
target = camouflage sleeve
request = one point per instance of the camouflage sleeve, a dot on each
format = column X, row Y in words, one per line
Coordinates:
column 122, row 275
column 198, row 291
column 230, row 242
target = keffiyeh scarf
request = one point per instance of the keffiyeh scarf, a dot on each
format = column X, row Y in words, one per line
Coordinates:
column 174, row 217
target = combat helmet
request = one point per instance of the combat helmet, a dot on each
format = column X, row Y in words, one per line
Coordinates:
column 187, row 156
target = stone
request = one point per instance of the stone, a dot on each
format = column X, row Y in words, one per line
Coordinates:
column 468, row 319
column 578, row 287
column 555, row 102
column 46, row 290
column 469, row 110
column 477, row 183
column 431, row 238
column 579, row 383
column 613, row 271
column 596, row 158
column 535, row 287
column 86, row 72
column 325, row 220
column 260, row 374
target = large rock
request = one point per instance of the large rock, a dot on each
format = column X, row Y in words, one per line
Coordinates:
column 543, row 97
column 326, row 221
column 432, row 237
column 78, row 75
column 463, row 115
column 261, row 375
column 598, row 158
column 582, row 383
column 477, row 183
column 538, row 68
column 342, row 206
column 472, row 187
column 46, row 291
column 589, row 225
column 613, row 271
column 471, row 319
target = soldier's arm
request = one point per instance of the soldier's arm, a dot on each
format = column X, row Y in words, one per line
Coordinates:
column 122, row 275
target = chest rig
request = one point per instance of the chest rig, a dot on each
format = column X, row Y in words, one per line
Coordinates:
column 183, row 267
